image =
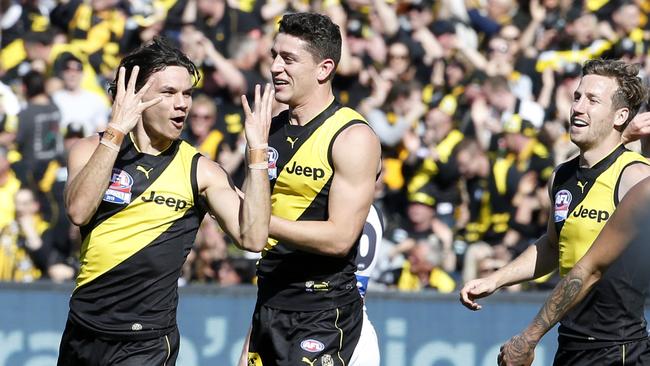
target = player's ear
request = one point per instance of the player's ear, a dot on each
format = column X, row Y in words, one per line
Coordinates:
column 325, row 68
column 620, row 116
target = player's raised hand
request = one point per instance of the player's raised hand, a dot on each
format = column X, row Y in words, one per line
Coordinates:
column 129, row 105
column 476, row 289
column 258, row 120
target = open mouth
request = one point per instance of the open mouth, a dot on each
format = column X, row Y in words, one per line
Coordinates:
column 278, row 82
column 178, row 121
column 577, row 122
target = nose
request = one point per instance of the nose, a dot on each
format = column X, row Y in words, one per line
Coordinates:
column 181, row 101
column 277, row 65
column 578, row 106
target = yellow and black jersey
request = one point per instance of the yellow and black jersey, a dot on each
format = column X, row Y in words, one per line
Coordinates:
column 441, row 172
column 506, row 172
column 584, row 199
column 301, row 172
column 96, row 33
column 135, row 244
column 478, row 205
column 17, row 263
column 501, row 189
column 439, row 280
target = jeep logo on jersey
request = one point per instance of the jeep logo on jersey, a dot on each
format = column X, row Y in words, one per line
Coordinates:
column 598, row 215
column 167, row 201
column 119, row 191
column 314, row 173
column 312, row 345
column 562, row 202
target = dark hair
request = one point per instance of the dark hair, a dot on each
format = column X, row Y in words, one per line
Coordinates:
column 630, row 93
column 45, row 37
column 323, row 37
column 34, row 83
column 469, row 145
column 151, row 58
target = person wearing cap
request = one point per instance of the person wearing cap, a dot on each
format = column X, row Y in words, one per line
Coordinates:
column 431, row 162
column 529, row 166
column 585, row 192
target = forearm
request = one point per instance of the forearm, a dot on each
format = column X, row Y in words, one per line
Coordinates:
column 319, row 237
column 255, row 210
column 388, row 17
column 570, row 291
column 539, row 259
column 85, row 191
column 476, row 58
column 235, row 80
column 189, row 13
column 389, row 135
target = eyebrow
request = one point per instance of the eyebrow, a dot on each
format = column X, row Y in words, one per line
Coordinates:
column 165, row 88
column 284, row 53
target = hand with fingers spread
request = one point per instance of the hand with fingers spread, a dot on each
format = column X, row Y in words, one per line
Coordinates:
column 128, row 104
column 476, row 289
column 258, row 120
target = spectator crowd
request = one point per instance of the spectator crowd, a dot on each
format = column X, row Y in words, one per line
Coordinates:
column 470, row 100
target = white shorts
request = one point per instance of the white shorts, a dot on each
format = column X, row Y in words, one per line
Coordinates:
column 366, row 353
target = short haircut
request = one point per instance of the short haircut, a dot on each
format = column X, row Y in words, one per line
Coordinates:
column 323, row 37
column 34, row 83
column 151, row 58
column 469, row 145
column 630, row 93
column 497, row 83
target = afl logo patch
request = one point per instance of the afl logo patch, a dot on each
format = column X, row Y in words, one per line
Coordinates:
column 561, row 207
column 119, row 191
column 312, row 345
column 273, row 162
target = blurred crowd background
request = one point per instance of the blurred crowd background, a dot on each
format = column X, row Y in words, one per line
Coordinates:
column 470, row 99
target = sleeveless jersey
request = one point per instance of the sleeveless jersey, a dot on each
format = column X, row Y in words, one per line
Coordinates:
column 301, row 172
column 584, row 199
column 135, row 244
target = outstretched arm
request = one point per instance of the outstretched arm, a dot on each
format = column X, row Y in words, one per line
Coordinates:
column 536, row 261
column 615, row 236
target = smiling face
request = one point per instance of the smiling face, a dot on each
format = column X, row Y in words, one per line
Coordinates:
column 296, row 74
column 165, row 120
column 592, row 112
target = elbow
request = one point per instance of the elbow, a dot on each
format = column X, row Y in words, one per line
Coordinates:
column 254, row 245
column 340, row 249
column 78, row 215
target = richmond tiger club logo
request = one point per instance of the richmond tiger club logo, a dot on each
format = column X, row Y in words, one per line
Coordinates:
column 119, row 191
column 561, row 207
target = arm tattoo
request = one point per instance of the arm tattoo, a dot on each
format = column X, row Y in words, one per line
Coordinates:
column 560, row 301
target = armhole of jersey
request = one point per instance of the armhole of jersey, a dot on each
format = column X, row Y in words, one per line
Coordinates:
column 618, row 181
column 193, row 177
column 329, row 149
